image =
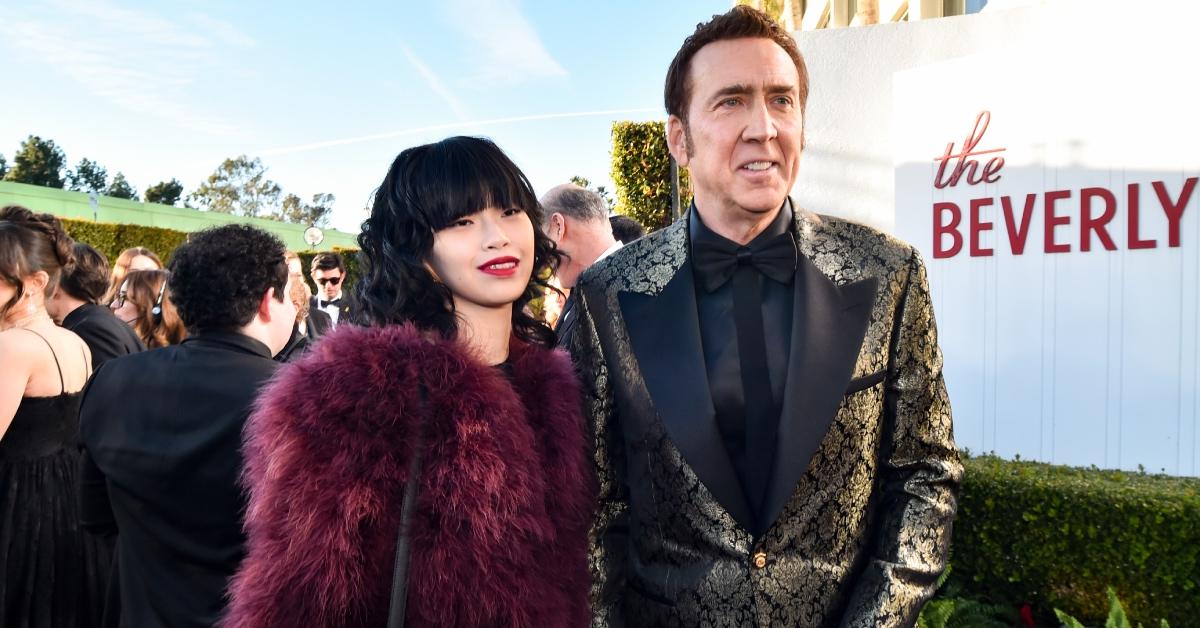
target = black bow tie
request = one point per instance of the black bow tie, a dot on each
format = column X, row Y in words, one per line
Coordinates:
column 716, row 262
column 323, row 304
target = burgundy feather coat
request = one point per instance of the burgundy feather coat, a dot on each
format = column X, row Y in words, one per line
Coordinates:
column 506, row 493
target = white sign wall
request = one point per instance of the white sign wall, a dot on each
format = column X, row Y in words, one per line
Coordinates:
column 1064, row 257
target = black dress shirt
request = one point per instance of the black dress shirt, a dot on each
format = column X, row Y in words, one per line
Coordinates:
column 718, row 335
column 162, row 437
column 105, row 334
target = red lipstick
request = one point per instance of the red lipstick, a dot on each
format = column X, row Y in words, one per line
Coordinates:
column 501, row 266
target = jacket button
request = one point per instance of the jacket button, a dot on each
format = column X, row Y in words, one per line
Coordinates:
column 760, row 560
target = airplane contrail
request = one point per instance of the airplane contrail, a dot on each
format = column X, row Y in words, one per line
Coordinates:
column 444, row 127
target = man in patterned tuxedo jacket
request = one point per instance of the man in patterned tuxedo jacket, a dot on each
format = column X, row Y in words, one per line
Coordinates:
column 772, row 430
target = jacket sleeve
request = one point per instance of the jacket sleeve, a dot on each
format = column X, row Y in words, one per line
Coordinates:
column 316, row 522
column 95, row 508
column 608, row 538
column 920, row 472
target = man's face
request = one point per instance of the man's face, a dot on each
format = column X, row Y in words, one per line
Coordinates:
column 329, row 282
column 283, row 317
column 744, row 132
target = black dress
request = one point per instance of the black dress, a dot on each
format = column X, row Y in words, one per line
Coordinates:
column 52, row 573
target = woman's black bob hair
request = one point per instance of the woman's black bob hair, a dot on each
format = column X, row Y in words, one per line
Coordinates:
column 426, row 189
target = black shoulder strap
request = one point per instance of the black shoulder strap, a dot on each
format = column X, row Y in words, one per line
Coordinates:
column 403, row 553
column 62, row 384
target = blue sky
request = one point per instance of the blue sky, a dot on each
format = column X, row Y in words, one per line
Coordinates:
column 327, row 95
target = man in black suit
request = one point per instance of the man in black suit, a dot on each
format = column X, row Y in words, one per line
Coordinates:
column 772, row 431
column 576, row 218
column 75, row 306
column 162, row 430
column 328, row 271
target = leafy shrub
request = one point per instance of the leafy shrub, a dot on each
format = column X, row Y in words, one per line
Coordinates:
column 110, row 239
column 1116, row 616
column 641, row 168
column 1056, row 537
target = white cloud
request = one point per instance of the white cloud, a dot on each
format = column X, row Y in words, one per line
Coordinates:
column 133, row 59
column 505, row 46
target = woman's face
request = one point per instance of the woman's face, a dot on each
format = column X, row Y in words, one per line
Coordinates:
column 123, row 306
column 486, row 258
column 141, row 262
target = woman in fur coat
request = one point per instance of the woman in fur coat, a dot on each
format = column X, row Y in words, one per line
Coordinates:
column 448, row 356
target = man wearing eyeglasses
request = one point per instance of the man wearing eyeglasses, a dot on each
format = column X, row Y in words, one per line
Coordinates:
column 328, row 271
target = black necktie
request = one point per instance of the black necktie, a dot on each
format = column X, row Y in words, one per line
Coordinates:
column 324, row 304
column 716, row 262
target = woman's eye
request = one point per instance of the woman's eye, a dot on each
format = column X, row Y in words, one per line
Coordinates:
column 511, row 212
column 462, row 222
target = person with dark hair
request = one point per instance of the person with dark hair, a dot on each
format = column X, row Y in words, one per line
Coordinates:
column 144, row 304
column 625, row 228
column 51, row 573
column 133, row 258
column 328, row 271
column 576, row 218
column 76, row 306
column 449, row 404
column 764, row 385
column 162, row 430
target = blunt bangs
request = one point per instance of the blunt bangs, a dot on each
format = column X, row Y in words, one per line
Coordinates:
column 460, row 176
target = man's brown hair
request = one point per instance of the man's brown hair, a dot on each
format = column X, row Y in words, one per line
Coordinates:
column 738, row 23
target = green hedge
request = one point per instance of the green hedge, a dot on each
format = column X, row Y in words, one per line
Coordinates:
column 641, row 169
column 110, row 239
column 1056, row 537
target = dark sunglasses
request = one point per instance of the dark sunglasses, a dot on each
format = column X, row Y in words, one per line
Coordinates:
column 119, row 301
column 329, row 280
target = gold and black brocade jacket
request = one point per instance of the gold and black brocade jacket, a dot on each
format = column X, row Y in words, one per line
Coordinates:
column 866, row 473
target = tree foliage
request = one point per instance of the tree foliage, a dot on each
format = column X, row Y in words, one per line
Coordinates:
column 641, row 168
column 3, row 166
column 38, row 162
column 164, row 192
column 88, row 176
column 121, row 188
column 316, row 213
column 239, row 186
column 773, row 8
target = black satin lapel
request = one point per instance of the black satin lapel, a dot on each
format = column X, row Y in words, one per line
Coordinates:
column 664, row 332
column 828, row 326
column 568, row 307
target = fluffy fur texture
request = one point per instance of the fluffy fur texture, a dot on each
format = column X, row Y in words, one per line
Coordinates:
column 506, row 493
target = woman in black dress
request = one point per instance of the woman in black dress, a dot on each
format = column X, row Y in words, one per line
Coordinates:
column 52, row 574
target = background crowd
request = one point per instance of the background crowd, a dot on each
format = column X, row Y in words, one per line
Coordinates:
column 66, row 311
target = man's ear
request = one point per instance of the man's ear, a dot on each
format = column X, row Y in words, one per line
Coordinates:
column 558, row 224
column 677, row 140
column 264, row 305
